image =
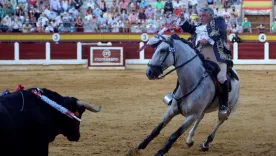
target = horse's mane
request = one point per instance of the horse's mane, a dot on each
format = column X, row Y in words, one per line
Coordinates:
column 176, row 37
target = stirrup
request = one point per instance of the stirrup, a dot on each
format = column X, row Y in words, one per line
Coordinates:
column 168, row 99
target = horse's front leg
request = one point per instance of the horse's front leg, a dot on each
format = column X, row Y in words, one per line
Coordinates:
column 167, row 118
column 206, row 144
column 190, row 140
column 187, row 123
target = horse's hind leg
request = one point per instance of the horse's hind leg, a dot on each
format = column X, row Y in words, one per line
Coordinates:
column 206, row 144
column 190, row 140
column 167, row 118
column 187, row 123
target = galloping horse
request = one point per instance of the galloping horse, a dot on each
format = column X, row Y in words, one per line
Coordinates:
column 195, row 96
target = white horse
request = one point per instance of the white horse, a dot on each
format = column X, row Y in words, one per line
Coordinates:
column 194, row 97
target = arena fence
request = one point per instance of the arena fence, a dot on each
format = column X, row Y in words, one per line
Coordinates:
column 113, row 55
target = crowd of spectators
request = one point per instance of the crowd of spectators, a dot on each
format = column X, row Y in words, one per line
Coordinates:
column 136, row 16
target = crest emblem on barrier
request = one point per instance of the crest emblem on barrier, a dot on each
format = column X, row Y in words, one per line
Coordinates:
column 106, row 53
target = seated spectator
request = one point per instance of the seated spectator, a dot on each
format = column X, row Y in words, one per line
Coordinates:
column 88, row 11
column 149, row 11
column 108, row 13
column 273, row 25
column 158, row 7
column 234, row 29
column 49, row 28
column 16, row 25
column 132, row 17
column 123, row 6
column 1, row 13
column 246, row 26
column 124, row 16
column 55, row 6
column 39, row 25
column 226, row 4
column 121, row 26
column 143, row 4
column 127, row 26
column 142, row 15
column 261, row 28
column 168, row 7
column 102, row 5
column 8, row 9
column 64, row 5
column 114, row 6
column 72, row 29
column 76, row 3
column 178, row 10
column 115, row 27
column 6, row 23
column 79, row 25
column 150, row 28
column 97, row 12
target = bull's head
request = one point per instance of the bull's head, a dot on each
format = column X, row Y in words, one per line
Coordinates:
column 71, row 126
column 67, row 126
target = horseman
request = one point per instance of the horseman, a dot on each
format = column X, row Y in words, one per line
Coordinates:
column 210, row 39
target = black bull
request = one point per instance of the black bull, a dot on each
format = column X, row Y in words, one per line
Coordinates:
column 28, row 125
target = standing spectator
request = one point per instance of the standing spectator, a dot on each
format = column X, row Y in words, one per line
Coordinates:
column 246, row 26
column 168, row 7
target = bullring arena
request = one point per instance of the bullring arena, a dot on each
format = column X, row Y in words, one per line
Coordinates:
column 132, row 104
column 132, row 107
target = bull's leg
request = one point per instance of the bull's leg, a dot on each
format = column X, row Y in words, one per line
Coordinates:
column 206, row 144
column 167, row 118
column 187, row 123
column 190, row 140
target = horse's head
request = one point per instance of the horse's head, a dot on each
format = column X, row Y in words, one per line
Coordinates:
column 163, row 56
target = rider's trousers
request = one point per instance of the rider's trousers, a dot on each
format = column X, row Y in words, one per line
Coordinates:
column 209, row 54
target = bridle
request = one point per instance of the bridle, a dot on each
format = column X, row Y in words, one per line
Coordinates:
column 171, row 49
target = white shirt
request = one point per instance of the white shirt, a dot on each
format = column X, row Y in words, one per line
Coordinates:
column 202, row 33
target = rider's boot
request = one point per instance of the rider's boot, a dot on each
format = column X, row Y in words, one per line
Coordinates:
column 223, row 109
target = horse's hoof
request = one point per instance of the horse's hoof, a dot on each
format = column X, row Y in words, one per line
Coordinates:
column 133, row 152
column 189, row 144
column 204, row 148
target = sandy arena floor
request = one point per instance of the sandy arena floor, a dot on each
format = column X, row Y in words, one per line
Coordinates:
column 132, row 107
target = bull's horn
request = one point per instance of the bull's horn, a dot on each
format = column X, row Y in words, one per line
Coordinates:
column 89, row 107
